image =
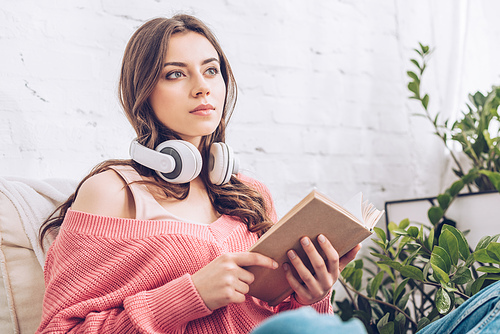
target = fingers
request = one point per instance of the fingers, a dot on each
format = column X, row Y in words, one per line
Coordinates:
column 348, row 257
column 300, row 290
column 332, row 257
column 326, row 271
column 315, row 286
column 254, row 259
column 224, row 281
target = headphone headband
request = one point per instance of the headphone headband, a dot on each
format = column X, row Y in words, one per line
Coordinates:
column 150, row 158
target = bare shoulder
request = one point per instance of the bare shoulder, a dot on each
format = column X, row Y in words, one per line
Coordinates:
column 105, row 194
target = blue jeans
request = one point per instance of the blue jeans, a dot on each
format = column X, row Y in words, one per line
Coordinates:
column 479, row 314
column 306, row 320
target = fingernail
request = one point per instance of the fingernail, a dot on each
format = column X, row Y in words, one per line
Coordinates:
column 285, row 266
column 275, row 264
column 305, row 241
column 291, row 254
column 321, row 238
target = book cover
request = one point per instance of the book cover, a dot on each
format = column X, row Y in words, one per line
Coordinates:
column 314, row 215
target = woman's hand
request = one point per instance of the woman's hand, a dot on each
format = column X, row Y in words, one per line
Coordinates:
column 223, row 281
column 316, row 286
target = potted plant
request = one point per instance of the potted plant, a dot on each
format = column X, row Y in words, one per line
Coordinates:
column 415, row 273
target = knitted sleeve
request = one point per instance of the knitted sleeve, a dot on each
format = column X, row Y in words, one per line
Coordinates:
column 97, row 284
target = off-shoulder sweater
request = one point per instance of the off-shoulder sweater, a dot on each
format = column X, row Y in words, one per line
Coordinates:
column 116, row 275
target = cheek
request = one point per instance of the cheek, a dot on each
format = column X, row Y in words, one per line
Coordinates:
column 162, row 101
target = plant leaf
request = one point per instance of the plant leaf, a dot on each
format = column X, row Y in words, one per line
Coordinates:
column 494, row 250
column 380, row 243
column 400, row 321
column 492, row 270
column 413, row 75
column 392, row 226
column 413, row 231
column 393, row 241
column 477, row 285
column 404, row 223
column 399, row 231
column 413, row 87
column 483, row 255
column 380, row 233
column 463, row 245
column 462, row 276
column 401, row 288
column 425, row 272
column 435, row 214
column 449, row 242
column 483, row 242
column 348, row 271
column 384, row 326
column 414, row 61
column 440, row 258
column 425, row 101
column 364, row 305
column 381, row 256
column 444, row 201
column 412, row 272
column 375, row 284
column 439, row 274
column 393, row 264
column 356, row 279
column 387, row 270
column 429, row 242
column 383, row 320
column 494, row 178
column 443, row 301
column 402, row 302
column 358, row 264
column 422, row 323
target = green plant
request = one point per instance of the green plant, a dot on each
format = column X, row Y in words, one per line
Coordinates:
column 416, row 278
column 417, row 274
column 477, row 133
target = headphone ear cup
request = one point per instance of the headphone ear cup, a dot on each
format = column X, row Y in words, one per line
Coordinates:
column 188, row 161
column 221, row 162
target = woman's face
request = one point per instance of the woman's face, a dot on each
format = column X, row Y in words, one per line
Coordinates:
column 189, row 97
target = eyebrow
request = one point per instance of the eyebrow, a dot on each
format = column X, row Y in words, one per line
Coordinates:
column 180, row 64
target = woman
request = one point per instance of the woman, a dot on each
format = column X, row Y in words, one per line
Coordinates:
column 132, row 255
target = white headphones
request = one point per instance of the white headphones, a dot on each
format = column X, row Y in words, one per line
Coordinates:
column 179, row 161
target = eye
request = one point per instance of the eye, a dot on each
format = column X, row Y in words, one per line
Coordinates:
column 174, row 75
column 212, row 71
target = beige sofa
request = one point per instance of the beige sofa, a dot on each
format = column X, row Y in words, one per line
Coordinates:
column 24, row 203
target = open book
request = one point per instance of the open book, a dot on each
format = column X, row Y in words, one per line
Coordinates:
column 314, row 215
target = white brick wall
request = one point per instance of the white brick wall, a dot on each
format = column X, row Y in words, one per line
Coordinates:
column 323, row 99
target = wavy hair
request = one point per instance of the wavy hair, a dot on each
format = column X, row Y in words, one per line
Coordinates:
column 141, row 69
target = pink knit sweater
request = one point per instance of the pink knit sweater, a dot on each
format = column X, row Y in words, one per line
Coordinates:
column 114, row 275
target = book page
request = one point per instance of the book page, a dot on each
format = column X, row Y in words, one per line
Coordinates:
column 354, row 206
column 366, row 212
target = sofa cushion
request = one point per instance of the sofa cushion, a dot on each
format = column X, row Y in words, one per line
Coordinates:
column 22, row 275
column 24, row 204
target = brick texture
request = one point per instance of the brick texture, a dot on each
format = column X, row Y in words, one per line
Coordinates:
column 323, row 99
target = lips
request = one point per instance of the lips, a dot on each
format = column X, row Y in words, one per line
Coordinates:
column 203, row 110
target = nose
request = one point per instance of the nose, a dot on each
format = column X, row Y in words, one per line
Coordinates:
column 200, row 86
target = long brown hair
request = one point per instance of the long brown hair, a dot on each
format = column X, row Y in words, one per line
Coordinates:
column 141, row 68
